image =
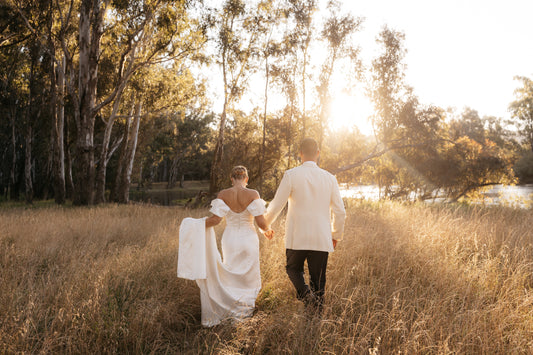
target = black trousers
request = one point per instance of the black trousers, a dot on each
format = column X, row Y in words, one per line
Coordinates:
column 317, row 262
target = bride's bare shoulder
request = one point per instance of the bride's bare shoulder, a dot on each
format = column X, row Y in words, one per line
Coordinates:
column 254, row 194
column 223, row 193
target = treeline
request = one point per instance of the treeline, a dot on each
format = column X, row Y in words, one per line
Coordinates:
column 96, row 94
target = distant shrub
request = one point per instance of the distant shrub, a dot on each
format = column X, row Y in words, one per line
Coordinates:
column 523, row 168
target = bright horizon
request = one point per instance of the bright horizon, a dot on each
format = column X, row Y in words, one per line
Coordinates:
column 459, row 53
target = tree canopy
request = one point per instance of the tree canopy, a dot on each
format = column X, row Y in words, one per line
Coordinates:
column 98, row 94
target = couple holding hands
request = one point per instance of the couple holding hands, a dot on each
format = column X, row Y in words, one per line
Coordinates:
column 314, row 225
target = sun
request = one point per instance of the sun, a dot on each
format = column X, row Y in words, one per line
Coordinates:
column 351, row 109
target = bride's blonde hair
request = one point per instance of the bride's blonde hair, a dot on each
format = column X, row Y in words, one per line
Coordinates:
column 239, row 172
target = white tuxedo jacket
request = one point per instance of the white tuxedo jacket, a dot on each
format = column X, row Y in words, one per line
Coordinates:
column 316, row 212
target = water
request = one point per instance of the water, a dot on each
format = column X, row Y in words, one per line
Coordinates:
column 521, row 196
column 516, row 196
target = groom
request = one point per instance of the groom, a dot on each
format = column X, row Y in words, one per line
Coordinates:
column 313, row 194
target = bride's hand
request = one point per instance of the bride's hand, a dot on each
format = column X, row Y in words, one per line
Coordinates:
column 269, row 234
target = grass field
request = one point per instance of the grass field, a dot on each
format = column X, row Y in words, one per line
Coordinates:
column 407, row 279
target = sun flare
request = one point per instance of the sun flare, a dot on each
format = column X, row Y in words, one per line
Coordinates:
column 350, row 110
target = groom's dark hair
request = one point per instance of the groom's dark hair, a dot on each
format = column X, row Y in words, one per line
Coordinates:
column 308, row 147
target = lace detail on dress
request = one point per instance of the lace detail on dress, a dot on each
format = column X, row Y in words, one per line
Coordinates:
column 257, row 207
column 219, row 208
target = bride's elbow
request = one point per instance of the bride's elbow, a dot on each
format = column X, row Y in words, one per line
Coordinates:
column 261, row 222
column 212, row 221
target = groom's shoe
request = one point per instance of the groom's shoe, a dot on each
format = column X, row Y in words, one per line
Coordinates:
column 304, row 294
column 314, row 305
column 311, row 303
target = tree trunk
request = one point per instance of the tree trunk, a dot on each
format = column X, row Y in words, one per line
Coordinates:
column 69, row 182
column 263, row 143
column 57, row 103
column 304, row 73
column 27, row 161
column 90, row 28
column 140, row 184
column 28, row 132
column 216, row 167
column 49, row 171
column 325, row 98
column 104, row 154
column 114, row 196
column 289, row 135
column 124, row 188
column 14, row 160
column 174, row 169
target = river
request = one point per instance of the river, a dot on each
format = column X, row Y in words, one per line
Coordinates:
column 516, row 196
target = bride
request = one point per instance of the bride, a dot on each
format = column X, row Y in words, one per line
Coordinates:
column 234, row 280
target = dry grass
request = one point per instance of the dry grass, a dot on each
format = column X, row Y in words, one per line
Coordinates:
column 407, row 279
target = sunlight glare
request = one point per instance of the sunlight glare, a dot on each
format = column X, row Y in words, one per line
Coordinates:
column 348, row 110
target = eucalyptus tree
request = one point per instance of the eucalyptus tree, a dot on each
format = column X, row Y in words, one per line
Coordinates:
column 114, row 38
column 284, row 75
column 389, row 95
column 235, row 41
column 130, row 146
column 148, row 35
column 286, row 68
column 270, row 16
column 83, row 95
column 468, row 124
column 13, row 60
column 302, row 11
column 522, row 109
column 49, row 23
column 175, row 125
column 31, row 59
column 387, row 83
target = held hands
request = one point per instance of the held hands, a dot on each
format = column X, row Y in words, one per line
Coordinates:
column 269, row 234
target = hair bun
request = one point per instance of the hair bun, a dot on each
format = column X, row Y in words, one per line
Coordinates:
column 239, row 172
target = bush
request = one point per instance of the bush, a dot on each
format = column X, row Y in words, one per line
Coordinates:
column 523, row 168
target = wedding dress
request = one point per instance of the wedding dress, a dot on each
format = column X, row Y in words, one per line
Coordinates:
column 233, row 279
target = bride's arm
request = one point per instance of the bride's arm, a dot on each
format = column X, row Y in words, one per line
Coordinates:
column 212, row 221
column 263, row 225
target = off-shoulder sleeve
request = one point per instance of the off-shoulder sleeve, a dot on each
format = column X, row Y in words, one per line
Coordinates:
column 257, row 207
column 219, row 207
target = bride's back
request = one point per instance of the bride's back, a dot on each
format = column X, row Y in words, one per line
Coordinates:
column 238, row 198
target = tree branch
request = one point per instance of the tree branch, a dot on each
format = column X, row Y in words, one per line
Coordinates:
column 473, row 187
column 376, row 154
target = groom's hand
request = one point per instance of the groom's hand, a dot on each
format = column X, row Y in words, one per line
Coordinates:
column 334, row 243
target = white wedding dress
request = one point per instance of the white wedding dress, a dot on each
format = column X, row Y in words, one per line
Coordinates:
column 233, row 280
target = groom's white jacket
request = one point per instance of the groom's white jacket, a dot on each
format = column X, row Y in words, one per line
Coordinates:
column 316, row 212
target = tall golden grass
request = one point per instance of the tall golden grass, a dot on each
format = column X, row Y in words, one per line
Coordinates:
column 406, row 279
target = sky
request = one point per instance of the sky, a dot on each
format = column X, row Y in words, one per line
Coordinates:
column 459, row 52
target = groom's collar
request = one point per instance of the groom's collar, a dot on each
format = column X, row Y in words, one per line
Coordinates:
column 310, row 163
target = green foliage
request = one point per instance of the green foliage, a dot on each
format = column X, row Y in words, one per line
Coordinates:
column 523, row 168
column 522, row 109
column 387, row 86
